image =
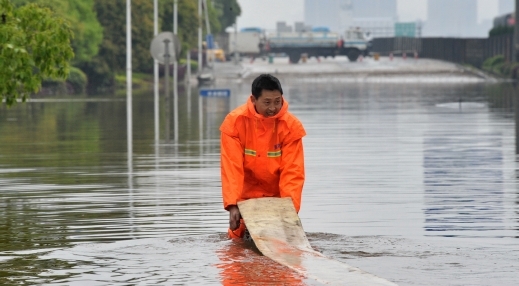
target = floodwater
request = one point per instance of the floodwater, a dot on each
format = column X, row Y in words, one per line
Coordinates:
column 415, row 183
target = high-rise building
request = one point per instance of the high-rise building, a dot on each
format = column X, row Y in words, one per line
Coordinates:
column 506, row 6
column 447, row 18
column 374, row 9
column 334, row 14
column 376, row 17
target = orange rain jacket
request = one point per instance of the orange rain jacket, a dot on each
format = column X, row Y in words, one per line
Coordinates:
column 261, row 156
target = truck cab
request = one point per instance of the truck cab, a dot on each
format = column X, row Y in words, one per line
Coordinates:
column 354, row 44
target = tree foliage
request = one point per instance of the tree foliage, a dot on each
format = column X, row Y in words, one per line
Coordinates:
column 187, row 21
column 88, row 32
column 501, row 30
column 34, row 45
column 229, row 11
column 111, row 58
column 99, row 27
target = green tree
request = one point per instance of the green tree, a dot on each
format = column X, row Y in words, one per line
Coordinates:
column 214, row 17
column 112, row 52
column 88, row 32
column 34, row 45
column 229, row 11
column 187, row 21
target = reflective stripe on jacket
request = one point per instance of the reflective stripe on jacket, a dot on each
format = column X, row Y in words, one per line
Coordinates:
column 261, row 156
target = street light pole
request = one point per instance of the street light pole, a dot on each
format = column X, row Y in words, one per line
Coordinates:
column 516, row 32
column 208, row 32
column 235, row 43
column 156, row 72
column 175, row 73
column 129, row 74
column 200, row 60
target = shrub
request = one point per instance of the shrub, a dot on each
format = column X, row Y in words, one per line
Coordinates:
column 78, row 80
column 494, row 64
column 501, row 30
column 498, row 65
column 194, row 64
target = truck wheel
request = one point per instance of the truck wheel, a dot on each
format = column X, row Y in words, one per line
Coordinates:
column 294, row 58
column 353, row 55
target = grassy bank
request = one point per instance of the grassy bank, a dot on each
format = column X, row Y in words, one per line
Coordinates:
column 499, row 67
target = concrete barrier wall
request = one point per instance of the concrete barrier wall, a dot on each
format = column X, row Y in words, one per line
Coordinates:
column 463, row 51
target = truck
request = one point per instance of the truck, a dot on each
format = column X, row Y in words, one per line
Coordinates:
column 317, row 43
column 247, row 42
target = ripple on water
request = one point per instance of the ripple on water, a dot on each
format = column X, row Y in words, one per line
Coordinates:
column 215, row 260
column 206, row 260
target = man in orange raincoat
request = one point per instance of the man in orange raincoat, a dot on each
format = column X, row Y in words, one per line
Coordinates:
column 261, row 151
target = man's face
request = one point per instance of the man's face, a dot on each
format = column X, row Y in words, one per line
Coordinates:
column 269, row 103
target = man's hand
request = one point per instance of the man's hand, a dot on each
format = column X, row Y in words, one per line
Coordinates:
column 234, row 217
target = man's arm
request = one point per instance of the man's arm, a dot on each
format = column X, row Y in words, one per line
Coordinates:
column 292, row 172
column 231, row 161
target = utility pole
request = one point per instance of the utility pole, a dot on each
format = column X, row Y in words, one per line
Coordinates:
column 516, row 32
column 208, row 32
column 129, row 74
column 156, row 72
column 175, row 72
column 235, row 43
column 200, row 60
column 516, row 58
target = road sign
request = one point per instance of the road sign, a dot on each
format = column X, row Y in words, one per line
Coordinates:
column 160, row 43
column 209, row 41
column 405, row 30
column 215, row 92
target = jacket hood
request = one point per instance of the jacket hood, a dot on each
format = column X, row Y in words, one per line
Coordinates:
column 253, row 114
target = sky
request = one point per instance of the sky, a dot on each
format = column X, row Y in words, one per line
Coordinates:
column 265, row 13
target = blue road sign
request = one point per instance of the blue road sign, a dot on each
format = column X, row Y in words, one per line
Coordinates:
column 215, row 92
column 209, row 41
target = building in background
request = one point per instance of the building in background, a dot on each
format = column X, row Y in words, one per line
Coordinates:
column 333, row 14
column 374, row 9
column 301, row 27
column 506, row 17
column 506, row 6
column 377, row 18
column 282, row 27
column 447, row 18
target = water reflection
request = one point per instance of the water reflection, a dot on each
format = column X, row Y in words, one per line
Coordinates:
column 240, row 264
column 129, row 140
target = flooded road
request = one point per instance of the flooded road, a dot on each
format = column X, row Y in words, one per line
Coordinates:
column 413, row 183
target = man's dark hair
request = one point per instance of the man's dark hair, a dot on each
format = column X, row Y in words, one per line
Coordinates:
column 265, row 81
